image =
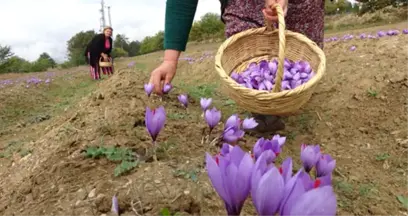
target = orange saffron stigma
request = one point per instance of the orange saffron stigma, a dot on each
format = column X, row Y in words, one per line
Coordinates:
column 316, row 183
column 216, row 158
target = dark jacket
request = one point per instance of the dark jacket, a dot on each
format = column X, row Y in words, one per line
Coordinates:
column 95, row 47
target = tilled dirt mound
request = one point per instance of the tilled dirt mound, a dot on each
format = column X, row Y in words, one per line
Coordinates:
column 58, row 179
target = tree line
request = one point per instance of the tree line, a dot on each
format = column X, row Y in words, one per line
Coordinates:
column 208, row 27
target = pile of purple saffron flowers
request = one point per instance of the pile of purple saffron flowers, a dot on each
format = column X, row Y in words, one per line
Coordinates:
column 262, row 76
column 274, row 189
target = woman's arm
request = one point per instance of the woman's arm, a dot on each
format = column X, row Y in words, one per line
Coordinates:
column 97, row 44
column 179, row 19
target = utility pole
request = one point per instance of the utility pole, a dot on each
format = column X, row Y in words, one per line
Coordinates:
column 109, row 17
column 102, row 10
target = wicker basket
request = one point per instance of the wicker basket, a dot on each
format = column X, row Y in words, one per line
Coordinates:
column 266, row 43
column 104, row 63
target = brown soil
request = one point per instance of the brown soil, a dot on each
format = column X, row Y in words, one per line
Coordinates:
column 358, row 128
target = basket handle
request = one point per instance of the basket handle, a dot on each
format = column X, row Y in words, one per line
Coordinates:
column 100, row 59
column 282, row 44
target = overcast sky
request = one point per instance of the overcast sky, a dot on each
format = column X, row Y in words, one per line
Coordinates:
column 31, row 27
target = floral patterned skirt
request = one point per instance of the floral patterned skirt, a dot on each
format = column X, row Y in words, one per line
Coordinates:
column 303, row 16
column 95, row 71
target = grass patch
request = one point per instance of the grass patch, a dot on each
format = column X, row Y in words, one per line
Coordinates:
column 167, row 212
column 366, row 189
column 178, row 116
column 291, row 136
column 187, row 174
column 35, row 102
column 372, row 93
column 382, row 156
column 305, row 120
column 344, row 187
column 141, row 66
column 123, row 155
column 403, row 200
column 14, row 147
column 67, row 94
column 200, row 91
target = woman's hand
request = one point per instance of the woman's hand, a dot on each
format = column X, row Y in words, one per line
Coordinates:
column 165, row 72
column 270, row 14
column 163, row 75
column 105, row 57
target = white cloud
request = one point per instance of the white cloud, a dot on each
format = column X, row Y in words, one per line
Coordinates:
column 32, row 27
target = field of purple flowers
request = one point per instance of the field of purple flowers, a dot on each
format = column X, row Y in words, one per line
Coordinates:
column 74, row 146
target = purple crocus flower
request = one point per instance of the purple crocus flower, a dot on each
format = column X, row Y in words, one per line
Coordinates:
column 381, row 34
column 183, row 100
column 155, row 120
column 352, row 48
column 301, row 190
column 226, row 149
column 115, row 205
column 319, row 201
column 235, row 76
column 232, row 121
column 392, row 32
column 325, row 165
column 167, row 87
column 405, row 31
column 232, row 134
column 212, row 117
column 131, row 64
column 249, row 123
column 232, row 129
column 285, row 85
column 275, row 144
column 281, row 139
column 309, row 156
column 286, row 169
column 205, row 103
column 294, row 187
column 148, row 89
column 371, row 37
column 273, row 66
column 224, row 171
column 267, row 187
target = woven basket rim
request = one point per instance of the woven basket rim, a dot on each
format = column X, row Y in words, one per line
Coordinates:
column 104, row 64
column 319, row 71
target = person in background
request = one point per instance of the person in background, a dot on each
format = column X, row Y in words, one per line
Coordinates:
column 99, row 47
column 302, row 16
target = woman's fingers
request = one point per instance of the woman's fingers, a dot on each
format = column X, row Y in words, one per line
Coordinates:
column 270, row 16
column 155, row 79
